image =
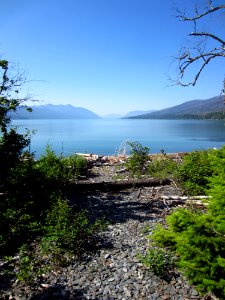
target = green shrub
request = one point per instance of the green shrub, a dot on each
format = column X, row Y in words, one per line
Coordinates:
column 64, row 235
column 51, row 166
column 217, row 160
column 29, row 191
column 160, row 262
column 22, row 205
column 67, row 231
column 198, row 239
column 74, row 166
column 29, row 266
column 60, row 170
column 194, row 172
column 161, row 167
column 12, row 145
column 137, row 160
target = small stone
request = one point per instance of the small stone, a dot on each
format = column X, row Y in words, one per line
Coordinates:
column 81, row 268
column 45, row 286
column 151, row 290
column 127, row 292
column 194, row 293
column 111, row 279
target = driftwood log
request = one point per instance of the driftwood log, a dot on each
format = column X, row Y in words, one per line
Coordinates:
column 114, row 185
column 195, row 201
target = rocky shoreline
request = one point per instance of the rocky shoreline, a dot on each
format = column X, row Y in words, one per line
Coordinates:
column 112, row 270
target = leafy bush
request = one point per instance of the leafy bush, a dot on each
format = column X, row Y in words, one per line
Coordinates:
column 29, row 191
column 51, row 166
column 65, row 230
column 12, row 145
column 74, row 166
column 198, row 237
column 200, row 248
column 199, row 240
column 29, row 265
column 137, row 160
column 161, row 167
column 22, row 205
column 160, row 262
column 65, row 234
column 60, row 170
column 194, row 172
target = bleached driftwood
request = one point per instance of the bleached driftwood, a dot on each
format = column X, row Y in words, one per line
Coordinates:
column 189, row 200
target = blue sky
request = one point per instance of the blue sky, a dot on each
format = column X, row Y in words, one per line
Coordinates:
column 110, row 56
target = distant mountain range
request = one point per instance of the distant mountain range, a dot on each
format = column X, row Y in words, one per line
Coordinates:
column 195, row 109
column 138, row 113
column 130, row 114
column 212, row 108
column 50, row 111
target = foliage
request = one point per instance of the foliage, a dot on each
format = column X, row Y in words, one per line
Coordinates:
column 197, row 237
column 60, row 170
column 31, row 215
column 66, row 230
column 65, row 234
column 161, row 167
column 160, row 262
column 74, row 166
column 51, row 166
column 28, row 266
column 13, row 214
column 137, row 160
column 30, row 189
column 23, row 204
column 195, row 171
column 10, row 85
column 11, row 143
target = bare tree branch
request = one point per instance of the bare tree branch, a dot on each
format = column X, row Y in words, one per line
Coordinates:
column 187, row 63
column 207, row 34
column 201, row 53
column 197, row 16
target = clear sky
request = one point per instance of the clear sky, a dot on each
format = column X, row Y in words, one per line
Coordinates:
column 110, row 56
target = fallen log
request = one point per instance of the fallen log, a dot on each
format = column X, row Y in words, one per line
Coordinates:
column 114, row 185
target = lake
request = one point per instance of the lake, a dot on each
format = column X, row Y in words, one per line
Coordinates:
column 107, row 137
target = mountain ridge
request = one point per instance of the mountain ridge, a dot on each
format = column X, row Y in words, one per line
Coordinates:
column 188, row 109
column 52, row 111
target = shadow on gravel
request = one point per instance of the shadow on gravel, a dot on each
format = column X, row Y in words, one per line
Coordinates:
column 117, row 207
column 5, row 283
column 58, row 292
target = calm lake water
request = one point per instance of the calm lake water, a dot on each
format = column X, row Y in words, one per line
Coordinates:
column 104, row 136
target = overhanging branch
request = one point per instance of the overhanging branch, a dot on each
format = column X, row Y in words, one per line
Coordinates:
column 200, row 53
column 210, row 10
column 206, row 34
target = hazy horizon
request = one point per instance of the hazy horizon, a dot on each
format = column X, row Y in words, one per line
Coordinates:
column 113, row 112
